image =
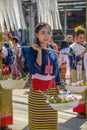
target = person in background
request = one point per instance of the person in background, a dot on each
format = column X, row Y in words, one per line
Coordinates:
column 63, row 61
column 45, row 78
column 7, row 44
column 7, row 38
column 6, row 109
column 69, row 39
column 17, row 59
column 77, row 51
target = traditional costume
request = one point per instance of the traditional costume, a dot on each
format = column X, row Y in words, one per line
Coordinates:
column 64, row 65
column 43, row 78
column 6, row 112
column 77, row 70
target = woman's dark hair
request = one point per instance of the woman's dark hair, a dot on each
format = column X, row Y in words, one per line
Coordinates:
column 81, row 31
column 38, row 28
column 16, row 39
column 64, row 44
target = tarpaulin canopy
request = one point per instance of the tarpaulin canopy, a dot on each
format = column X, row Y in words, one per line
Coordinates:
column 11, row 15
column 48, row 12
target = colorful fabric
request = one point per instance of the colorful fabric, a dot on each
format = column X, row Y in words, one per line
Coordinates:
column 14, row 67
column 5, row 71
column 6, row 112
column 64, row 64
column 49, row 64
column 77, row 70
column 41, row 115
column 76, row 50
column 63, row 71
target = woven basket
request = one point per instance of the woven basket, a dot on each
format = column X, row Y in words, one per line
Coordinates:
column 12, row 84
column 64, row 106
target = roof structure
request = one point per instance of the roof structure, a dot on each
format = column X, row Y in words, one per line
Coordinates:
column 11, row 15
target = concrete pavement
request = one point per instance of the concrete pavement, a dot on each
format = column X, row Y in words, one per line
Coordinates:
column 67, row 120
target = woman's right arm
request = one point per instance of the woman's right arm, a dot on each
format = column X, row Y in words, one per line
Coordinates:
column 34, row 59
column 39, row 54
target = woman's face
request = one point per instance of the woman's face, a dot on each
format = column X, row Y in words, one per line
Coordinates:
column 80, row 39
column 44, row 36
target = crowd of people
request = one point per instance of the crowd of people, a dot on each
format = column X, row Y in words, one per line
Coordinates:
column 69, row 68
column 74, row 64
column 11, row 65
column 48, row 69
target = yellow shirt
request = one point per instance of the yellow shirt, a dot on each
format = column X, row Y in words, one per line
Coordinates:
column 10, row 43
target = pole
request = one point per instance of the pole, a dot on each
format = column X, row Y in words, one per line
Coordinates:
column 86, row 21
column 65, row 22
column 86, row 47
column 31, row 23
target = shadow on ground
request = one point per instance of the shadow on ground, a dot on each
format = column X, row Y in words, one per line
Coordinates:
column 74, row 124
column 26, row 127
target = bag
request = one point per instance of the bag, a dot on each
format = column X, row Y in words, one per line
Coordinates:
column 20, row 63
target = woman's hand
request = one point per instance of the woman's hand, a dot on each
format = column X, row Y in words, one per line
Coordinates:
column 58, row 89
column 36, row 47
column 1, row 45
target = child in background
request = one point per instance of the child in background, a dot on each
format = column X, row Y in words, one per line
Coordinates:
column 15, row 67
column 77, row 51
column 64, row 62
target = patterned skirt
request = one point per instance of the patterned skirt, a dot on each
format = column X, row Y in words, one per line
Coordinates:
column 6, row 109
column 41, row 115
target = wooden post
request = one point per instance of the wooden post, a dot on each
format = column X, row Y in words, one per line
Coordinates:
column 31, row 23
column 86, row 21
column 65, row 21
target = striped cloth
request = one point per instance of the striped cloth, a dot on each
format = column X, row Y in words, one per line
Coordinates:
column 6, row 109
column 41, row 115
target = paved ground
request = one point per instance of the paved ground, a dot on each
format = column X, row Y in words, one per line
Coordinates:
column 66, row 119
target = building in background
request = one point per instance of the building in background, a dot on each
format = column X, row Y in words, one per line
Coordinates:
column 21, row 16
column 73, row 13
column 41, row 11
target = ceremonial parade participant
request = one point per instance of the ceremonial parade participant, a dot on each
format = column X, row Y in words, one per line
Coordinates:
column 77, row 51
column 17, row 55
column 43, row 67
column 6, row 111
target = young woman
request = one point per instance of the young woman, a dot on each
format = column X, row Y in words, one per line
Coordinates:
column 77, row 51
column 43, row 67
